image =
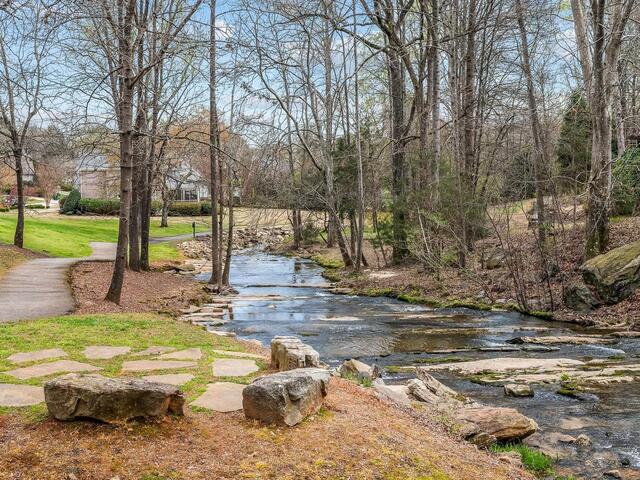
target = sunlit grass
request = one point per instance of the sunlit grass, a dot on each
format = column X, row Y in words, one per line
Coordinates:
column 70, row 236
column 138, row 331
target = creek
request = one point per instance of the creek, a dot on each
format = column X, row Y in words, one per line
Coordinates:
column 286, row 296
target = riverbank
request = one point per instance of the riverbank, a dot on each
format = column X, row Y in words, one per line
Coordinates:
column 355, row 435
column 142, row 292
column 482, row 285
column 584, row 381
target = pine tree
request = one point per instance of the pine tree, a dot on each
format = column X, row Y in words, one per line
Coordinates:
column 574, row 144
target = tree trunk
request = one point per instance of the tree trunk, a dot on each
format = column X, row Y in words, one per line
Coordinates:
column 396, row 85
column 134, row 212
column 216, row 273
column 164, row 221
column 434, row 171
column 18, row 238
column 540, row 161
column 353, row 232
column 599, row 187
column 360, row 172
column 227, row 260
column 115, row 289
column 125, row 112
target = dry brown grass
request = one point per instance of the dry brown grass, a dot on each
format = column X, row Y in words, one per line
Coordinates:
column 354, row 437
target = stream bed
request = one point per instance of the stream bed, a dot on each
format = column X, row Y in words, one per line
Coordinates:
column 286, row 296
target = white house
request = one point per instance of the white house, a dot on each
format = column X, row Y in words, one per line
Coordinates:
column 97, row 178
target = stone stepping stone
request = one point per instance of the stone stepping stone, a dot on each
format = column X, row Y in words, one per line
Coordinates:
column 221, row 397
column 191, row 309
column 198, row 316
column 239, row 354
column 188, row 354
column 221, row 333
column 153, row 351
column 233, row 367
column 51, row 368
column 20, row 395
column 176, row 379
column 210, row 323
column 149, row 365
column 37, row 355
column 100, row 352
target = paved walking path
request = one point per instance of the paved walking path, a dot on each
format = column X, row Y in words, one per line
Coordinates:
column 40, row 288
column 178, row 238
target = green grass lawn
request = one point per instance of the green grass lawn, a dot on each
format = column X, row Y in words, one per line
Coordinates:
column 70, row 236
column 138, row 331
column 533, row 460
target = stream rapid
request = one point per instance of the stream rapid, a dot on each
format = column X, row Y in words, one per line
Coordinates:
column 286, row 296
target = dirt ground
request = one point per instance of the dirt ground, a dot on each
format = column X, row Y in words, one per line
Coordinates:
column 142, row 291
column 355, row 436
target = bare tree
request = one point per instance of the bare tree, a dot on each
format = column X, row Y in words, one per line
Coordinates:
column 118, row 31
column 27, row 36
column 599, row 44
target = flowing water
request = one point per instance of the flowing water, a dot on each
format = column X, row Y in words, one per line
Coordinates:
column 284, row 296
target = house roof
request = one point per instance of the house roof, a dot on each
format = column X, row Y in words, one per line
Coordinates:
column 93, row 162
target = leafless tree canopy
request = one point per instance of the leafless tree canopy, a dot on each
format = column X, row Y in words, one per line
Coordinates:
column 409, row 119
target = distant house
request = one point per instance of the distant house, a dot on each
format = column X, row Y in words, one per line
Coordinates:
column 187, row 184
column 28, row 170
column 97, row 178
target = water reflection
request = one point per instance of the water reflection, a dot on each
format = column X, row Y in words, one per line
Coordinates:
column 280, row 296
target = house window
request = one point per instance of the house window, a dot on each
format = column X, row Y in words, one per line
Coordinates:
column 190, row 195
column 185, row 195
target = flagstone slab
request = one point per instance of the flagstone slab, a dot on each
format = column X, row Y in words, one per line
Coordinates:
column 103, row 352
column 201, row 315
column 239, row 354
column 37, row 355
column 20, row 395
column 177, row 379
column 188, row 354
column 153, row 351
column 221, row 397
column 234, row 367
column 44, row 369
column 149, row 365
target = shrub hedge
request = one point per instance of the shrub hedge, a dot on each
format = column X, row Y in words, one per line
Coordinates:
column 95, row 206
column 189, row 209
column 71, row 204
column 98, row 206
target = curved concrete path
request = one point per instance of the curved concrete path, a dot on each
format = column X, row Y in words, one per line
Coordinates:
column 178, row 238
column 39, row 288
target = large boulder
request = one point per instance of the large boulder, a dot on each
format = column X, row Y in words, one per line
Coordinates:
column 614, row 275
column 497, row 258
column 436, row 387
column 286, row 398
column 518, row 390
column 577, row 296
column 505, row 424
column 356, row 369
column 288, row 353
column 396, row 394
column 110, row 399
